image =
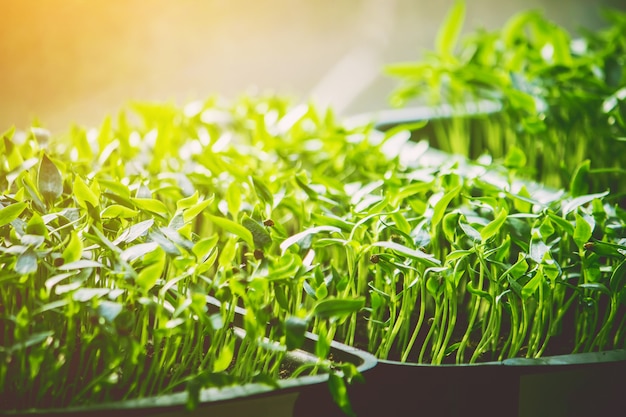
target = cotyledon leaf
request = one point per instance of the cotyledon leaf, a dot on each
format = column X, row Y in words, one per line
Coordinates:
column 260, row 235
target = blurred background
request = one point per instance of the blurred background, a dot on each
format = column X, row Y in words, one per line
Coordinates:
column 74, row 61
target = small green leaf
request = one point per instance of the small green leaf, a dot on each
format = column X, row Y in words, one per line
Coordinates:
column 86, row 294
column 595, row 286
column 191, row 212
column 478, row 292
column 262, row 191
column 295, row 331
column 31, row 340
column 151, row 205
column 109, row 310
column 442, row 204
column 50, row 182
column 579, row 185
column 260, row 234
column 416, row 254
column 309, row 232
column 233, row 198
column 515, row 158
column 136, row 251
column 448, row 34
column 322, row 345
column 583, row 231
column 494, row 226
column 618, row 277
column 203, row 247
column 531, row 286
column 234, row 228
column 225, row 356
column 116, row 211
column 134, row 232
column 538, row 249
column 570, row 205
column 84, row 194
column 564, row 224
column 339, row 392
column 27, row 262
column 74, row 249
column 434, row 285
column 303, row 182
column 11, row 212
column 80, row 264
column 149, row 275
column 185, row 203
column 338, row 307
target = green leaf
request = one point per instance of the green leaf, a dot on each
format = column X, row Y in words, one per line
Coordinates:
column 416, row 254
column 115, row 211
column 579, row 185
column 187, row 202
column 442, row 204
column 519, row 268
column 531, row 286
column 148, row 276
column 11, row 212
column 338, row 307
column 12, row 155
column 322, row 345
column 260, row 235
column 87, row 294
column 478, row 292
column 339, row 392
column 36, row 226
column 262, row 191
column 74, row 249
column 295, row 331
column 515, row 158
column 30, row 188
column 203, row 247
column 494, row 226
column 31, row 340
column 84, row 194
column 448, row 34
column 191, row 212
column 225, row 357
column 595, row 286
column 134, row 232
column 136, row 251
column 401, row 223
column 565, row 225
column 233, row 198
column 570, row 205
column 50, row 182
column 303, row 182
column 470, row 231
column 618, row 277
column 27, row 262
column 582, row 232
column 538, row 249
column 433, row 285
column 309, row 232
column 234, row 228
column 450, row 222
column 151, row 205
column 80, row 264
column 109, row 310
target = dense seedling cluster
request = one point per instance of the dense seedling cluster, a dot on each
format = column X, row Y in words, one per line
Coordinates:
column 562, row 98
column 125, row 250
column 112, row 239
